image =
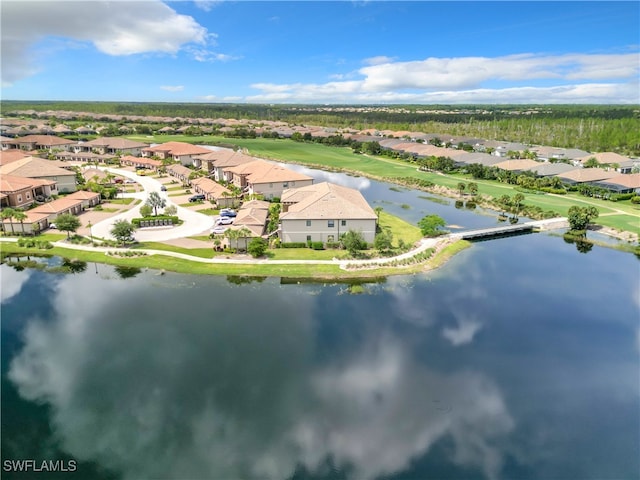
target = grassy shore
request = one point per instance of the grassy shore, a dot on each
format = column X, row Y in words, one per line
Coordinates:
column 171, row 264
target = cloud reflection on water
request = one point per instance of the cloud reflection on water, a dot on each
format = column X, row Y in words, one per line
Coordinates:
column 147, row 386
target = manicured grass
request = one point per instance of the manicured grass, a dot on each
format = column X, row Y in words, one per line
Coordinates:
column 401, row 229
column 209, row 211
column 196, row 252
column 174, row 189
column 305, row 254
column 121, row 201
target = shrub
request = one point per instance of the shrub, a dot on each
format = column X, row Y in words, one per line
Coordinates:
column 317, row 245
column 293, row 245
column 635, row 199
column 333, row 245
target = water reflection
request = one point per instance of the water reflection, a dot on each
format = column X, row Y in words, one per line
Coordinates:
column 155, row 388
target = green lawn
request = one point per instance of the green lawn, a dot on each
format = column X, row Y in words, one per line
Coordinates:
column 401, row 229
column 196, row 252
column 209, row 211
column 121, row 201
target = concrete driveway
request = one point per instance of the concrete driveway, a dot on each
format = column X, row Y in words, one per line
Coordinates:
column 194, row 223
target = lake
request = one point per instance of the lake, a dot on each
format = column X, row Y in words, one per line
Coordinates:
column 516, row 360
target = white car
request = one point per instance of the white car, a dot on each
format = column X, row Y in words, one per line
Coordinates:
column 224, row 221
column 219, row 230
column 53, row 226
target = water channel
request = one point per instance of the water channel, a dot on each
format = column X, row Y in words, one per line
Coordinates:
column 517, row 359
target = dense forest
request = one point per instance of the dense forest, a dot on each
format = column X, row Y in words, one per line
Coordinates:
column 589, row 127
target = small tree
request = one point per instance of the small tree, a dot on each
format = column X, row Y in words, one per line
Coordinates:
column 383, row 241
column 257, row 247
column 473, row 188
column 461, row 187
column 591, row 163
column 518, row 198
column 171, row 210
column 9, row 213
column 67, row 223
column 123, row 231
column 353, row 241
column 580, row 217
column 431, row 224
column 155, row 201
column 146, row 210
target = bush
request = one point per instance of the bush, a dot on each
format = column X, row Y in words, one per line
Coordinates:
column 317, row 245
column 622, row 196
column 333, row 245
column 293, row 245
column 174, row 219
column 635, row 199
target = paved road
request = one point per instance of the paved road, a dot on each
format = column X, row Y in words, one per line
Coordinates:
column 194, row 223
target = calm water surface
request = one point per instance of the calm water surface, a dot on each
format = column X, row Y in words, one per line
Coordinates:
column 517, row 360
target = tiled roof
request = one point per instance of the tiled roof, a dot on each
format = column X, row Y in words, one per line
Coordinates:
column 34, row 167
column 49, row 140
column 178, row 148
column 58, row 205
column 259, row 172
column 82, row 195
column 517, row 164
column 8, row 156
column 580, row 175
column 11, row 183
column 326, row 201
column 115, row 142
column 631, row 180
column 209, row 186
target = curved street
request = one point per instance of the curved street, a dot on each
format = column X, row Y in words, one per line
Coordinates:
column 194, row 223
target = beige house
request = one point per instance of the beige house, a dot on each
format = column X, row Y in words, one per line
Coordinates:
column 34, row 223
column 213, row 191
column 141, row 162
column 181, row 172
column 177, row 151
column 38, row 142
column 20, row 192
column 216, row 161
column 266, row 178
column 34, row 167
column 111, row 146
column 323, row 212
column 88, row 199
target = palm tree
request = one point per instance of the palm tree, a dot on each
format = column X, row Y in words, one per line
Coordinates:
column 9, row 213
column 461, row 187
column 518, row 198
column 21, row 217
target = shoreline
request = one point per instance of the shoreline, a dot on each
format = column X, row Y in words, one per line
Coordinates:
column 443, row 249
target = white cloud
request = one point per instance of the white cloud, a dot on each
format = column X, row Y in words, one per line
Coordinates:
column 574, row 78
column 463, row 333
column 379, row 60
column 174, row 88
column 114, row 28
column 12, row 281
column 207, row 5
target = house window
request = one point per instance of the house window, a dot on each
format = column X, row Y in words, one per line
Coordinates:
column 19, row 198
column 285, row 185
column 28, row 196
column 330, row 224
column 343, row 223
column 308, row 238
column 308, row 223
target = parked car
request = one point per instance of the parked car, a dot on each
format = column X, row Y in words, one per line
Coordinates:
column 224, row 221
column 218, row 230
column 129, row 180
column 142, row 173
column 197, row 198
column 226, row 212
column 53, row 226
column 163, row 188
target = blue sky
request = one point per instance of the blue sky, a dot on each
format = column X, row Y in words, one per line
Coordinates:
column 362, row 52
